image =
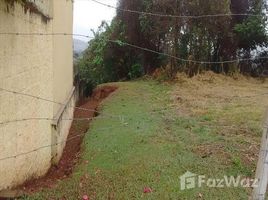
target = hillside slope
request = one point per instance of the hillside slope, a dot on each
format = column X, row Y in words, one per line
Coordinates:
column 79, row 46
column 149, row 134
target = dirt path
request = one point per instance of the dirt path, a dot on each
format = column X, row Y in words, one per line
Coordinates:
column 71, row 152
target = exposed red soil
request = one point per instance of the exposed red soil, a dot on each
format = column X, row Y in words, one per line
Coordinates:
column 71, row 153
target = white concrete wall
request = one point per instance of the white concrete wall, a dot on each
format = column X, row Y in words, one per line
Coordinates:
column 36, row 65
column 62, row 51
column 26, row 64
column 63, row 73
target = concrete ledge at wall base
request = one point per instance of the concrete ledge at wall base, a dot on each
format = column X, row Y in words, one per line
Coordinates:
column 59, row 114
column 61, row 128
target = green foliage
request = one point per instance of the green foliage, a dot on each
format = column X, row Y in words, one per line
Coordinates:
column 135, row 71
column 108, row 58
column 251, row 32
column 96, row 66
column 111, row 56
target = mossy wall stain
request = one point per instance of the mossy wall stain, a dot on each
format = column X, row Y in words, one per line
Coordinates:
column 28, row 6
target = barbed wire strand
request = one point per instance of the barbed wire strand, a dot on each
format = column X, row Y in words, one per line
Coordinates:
column 51, row 119
column 120, row 43
column 43, row 147
column 58, row 143
column 119, row 117
column 40, row 148
column 173, row 16
column 105, row 115
column 22, row 72
column 82, row 135
column 51, row 101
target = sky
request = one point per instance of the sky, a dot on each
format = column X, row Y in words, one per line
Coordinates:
column 89, row 15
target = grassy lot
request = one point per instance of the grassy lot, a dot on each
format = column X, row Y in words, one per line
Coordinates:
column 157, row 132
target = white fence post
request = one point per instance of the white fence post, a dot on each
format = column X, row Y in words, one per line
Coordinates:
column 262, row 166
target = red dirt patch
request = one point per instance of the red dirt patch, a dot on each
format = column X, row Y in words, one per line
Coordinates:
column 71, row 153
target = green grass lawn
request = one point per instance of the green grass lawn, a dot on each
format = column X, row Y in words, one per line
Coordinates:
column 149, row 143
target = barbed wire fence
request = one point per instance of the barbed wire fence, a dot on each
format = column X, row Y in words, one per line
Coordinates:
column 121, row 118
column 105, row 115
column 172, row 16
column 119, row 42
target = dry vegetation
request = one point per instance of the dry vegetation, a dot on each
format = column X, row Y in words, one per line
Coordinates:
column 233, row 106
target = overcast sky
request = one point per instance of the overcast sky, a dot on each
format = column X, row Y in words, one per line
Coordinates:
column 89, row 15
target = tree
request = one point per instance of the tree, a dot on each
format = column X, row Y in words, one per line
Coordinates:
column 211, row 39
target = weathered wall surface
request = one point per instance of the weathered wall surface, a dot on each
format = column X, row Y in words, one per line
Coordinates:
column 30, row 64
column 25, row 66
column 44, row 6
column 63, row 71
column 62, row 51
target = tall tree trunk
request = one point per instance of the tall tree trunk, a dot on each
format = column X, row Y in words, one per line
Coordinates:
column 176, row 30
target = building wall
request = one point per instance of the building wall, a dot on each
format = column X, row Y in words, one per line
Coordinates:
column 44, row 6
column 63, row 51
column 32, row 65
column 63, row 73
column 61, row 127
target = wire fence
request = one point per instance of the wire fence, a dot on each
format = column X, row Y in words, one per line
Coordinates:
column 119, row 42
column 173, row 16
column 56, row 144
column 120, row 118
column 49, row 119
column 82, row 135
column 103, row 115
column 121, row 125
